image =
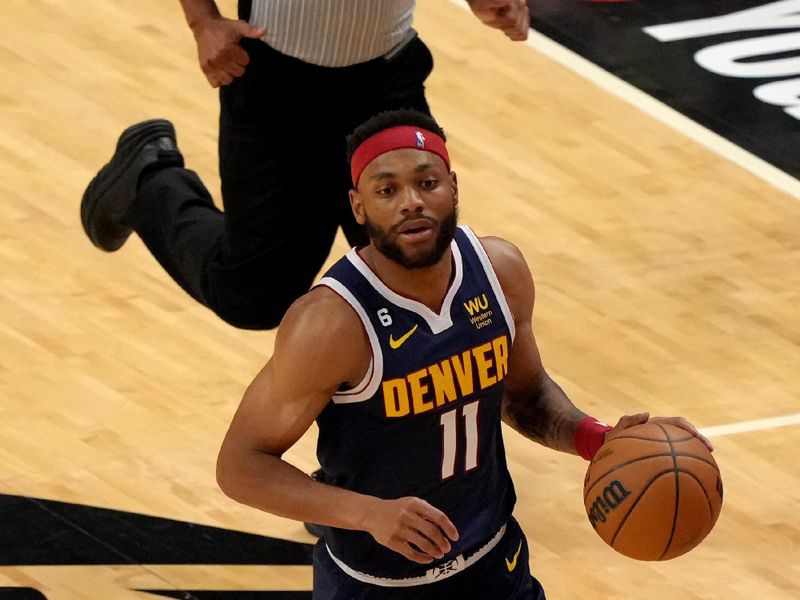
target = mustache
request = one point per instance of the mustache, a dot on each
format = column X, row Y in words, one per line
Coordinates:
column 428, row 220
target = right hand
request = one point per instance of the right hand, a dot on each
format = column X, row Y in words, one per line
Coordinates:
column 509, row 16
column 627, row 421
column 411, row 527
column 221, row 57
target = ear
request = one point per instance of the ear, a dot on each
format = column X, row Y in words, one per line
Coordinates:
column 357, row 206
column 454, row 185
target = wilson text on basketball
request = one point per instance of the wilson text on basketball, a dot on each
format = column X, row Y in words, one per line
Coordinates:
column 612, row 496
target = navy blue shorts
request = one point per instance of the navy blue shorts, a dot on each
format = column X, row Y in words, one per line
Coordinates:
column 503, row 574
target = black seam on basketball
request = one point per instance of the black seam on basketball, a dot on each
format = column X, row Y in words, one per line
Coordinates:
column 710, row 463
column 634, row 437
column 688, row 437
column 705, row 492
column 677, row 492
column 635, row 502
column 620, row 466
column 639, row 458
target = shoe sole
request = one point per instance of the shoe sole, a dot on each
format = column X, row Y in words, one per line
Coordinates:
column 135, row 136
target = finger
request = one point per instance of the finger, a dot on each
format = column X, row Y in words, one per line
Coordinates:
column 517, row 33
column 229, row 64
column 255, row 33
column 517, row 29
column 237, row 54
column 423, row 542
column 503, row 22
column 446, row 525
column 440, row 520
column 242, row 29
column 706, row 441
column 224, row 78
column 435, row 534
column 701, row 437
column 235, row 70
column 213, row 81
column 412, row 553
column 425, row 521
column 685, row 425
column 231, row 57
column 631, row 420
column 258, row 33
column 524, row 24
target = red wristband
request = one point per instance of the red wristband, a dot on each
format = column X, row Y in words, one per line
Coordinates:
column 589, row 436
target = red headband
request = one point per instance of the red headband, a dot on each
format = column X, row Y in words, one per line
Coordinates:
column 395, row 138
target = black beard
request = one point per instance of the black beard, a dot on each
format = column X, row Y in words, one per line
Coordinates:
column 386, row 242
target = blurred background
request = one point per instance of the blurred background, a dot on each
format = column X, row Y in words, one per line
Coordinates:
column 667, row 280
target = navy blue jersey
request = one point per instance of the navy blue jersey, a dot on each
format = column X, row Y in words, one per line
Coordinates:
column 425, row 421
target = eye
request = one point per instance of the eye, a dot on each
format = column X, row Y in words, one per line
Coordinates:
column 430, row 183
column 385, row 191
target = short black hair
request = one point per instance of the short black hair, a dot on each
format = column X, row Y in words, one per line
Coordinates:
column 388, row 119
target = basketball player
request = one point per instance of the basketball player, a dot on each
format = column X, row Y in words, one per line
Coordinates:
column 409, row 354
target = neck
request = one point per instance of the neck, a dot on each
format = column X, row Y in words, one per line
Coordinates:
column 427, row 285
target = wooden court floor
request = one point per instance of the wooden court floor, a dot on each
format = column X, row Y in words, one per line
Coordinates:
column 667, row 280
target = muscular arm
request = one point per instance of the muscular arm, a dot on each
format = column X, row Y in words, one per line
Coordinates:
column 534, row 404
column 320, row 346
column 280, row 405
column 544, row 414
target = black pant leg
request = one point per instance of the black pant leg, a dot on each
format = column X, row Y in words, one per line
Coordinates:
column 285, row 181
column 285, row 177
column 280, row 223
column 176, row 219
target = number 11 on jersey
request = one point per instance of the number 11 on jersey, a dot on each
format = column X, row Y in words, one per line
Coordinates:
column 449, row 422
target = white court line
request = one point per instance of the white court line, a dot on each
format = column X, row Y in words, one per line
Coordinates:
column 693, row 130
column 757, row 425
column 698, row 133
column 660, row 111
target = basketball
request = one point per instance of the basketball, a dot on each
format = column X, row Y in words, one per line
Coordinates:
column 653, row 493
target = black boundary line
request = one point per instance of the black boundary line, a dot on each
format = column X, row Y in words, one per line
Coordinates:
column 128, row 560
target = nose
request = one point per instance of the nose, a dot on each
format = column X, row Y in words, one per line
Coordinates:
column 411, row 200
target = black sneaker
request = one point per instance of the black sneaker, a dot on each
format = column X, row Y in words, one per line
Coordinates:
column 106, row 203
column 313, row 528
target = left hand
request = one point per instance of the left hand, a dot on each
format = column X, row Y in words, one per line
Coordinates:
column 640, row 418
column 509, row 16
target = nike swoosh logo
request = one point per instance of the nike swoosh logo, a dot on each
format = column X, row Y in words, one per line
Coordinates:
column 396, row 343
column 512, row 564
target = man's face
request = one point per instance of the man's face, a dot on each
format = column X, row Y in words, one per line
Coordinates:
column 407, row 201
